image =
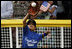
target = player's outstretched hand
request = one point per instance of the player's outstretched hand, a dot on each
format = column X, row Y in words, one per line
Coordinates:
column 48, row 31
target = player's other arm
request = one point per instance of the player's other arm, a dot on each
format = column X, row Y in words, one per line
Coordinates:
column 46, row 33
column 24, row 20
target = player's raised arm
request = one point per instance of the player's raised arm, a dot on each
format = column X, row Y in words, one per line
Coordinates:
column 46, row 33
column 24, row 20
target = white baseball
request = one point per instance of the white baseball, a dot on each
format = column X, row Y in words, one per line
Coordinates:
column 33, row 4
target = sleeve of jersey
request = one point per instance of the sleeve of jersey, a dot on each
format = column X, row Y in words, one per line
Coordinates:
column 25, row 30
column 40, row 36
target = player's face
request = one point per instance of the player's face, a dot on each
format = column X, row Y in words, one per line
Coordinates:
column 31, row 26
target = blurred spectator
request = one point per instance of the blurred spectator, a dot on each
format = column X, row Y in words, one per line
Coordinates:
column 40, row 14
column 52, row 11
column 6, row 9
column 60, row 10
column 64, row 10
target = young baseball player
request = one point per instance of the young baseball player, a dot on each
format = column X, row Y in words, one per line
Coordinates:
column 31, row 38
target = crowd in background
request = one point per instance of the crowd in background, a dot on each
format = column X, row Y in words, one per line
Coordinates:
column 20, row 9
column 63, row 9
